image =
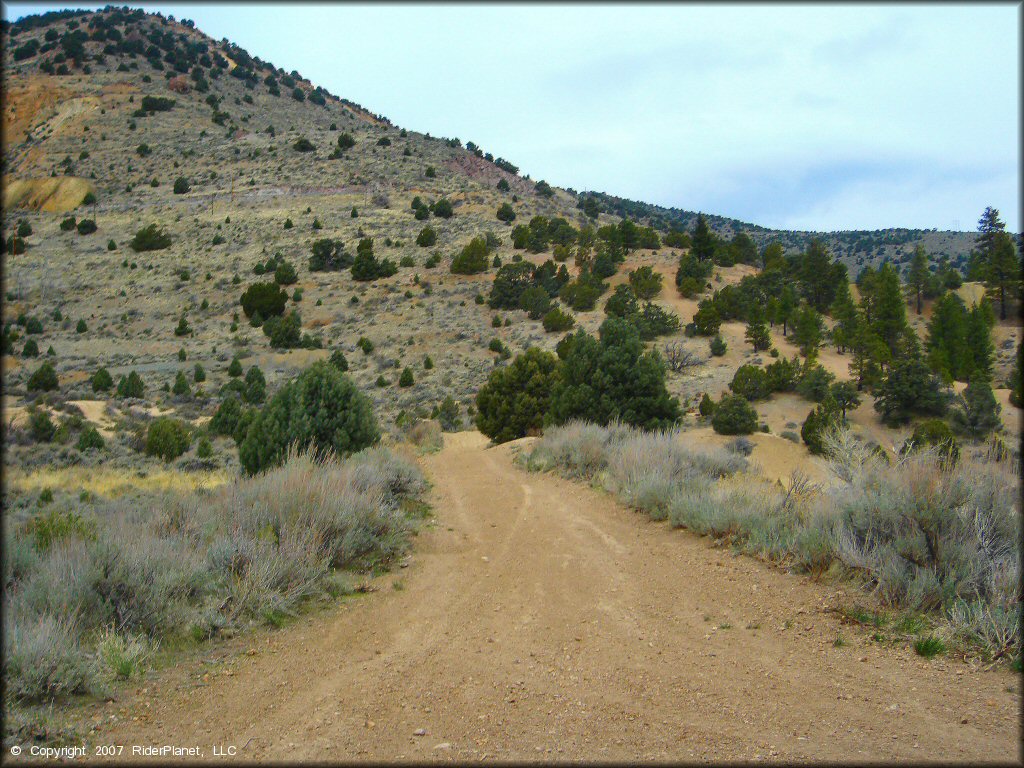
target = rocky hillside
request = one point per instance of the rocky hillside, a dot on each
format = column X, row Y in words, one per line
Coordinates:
column 127, row 119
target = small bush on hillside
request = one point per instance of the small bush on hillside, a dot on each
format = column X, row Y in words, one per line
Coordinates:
column 43, row 379
column 150, row 238
column 734, row 415
column 472, row 259
column 515, row 399
column 557, row 321
column 167, row 438
column 101, row 381
column 181, row 185
column 131, row 386
column 750, row 382
column 86, row 227
column 266, row 299
column 427, row 237
column 321, row 409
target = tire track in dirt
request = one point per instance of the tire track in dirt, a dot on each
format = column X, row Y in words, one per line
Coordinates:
column 540, row 620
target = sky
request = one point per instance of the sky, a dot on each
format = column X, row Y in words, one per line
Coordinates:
column 816, row 117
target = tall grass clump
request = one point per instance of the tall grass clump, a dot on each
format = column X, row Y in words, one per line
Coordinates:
column 923, row 534
column 91, row 598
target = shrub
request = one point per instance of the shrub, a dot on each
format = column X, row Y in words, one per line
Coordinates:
column 41, row 426
column 303, row 145
column 329, row 256
column 506, row 213
column 131, row 386
column 204, row 449
column 815, row 383
column 472, row 259
column 706, row 320
column 645, row 282
column 266, row 299
column 31, row 349
column 235, row 368
column 321, row 409
column 181, row 185
column 750, row 382
column 556, row 321
column 734, row 415
column 226, row 417
column 934, row 433
column 183, row 328
column 707, row 406
column 167, row 438
column 448, row 415
column 43, row 379
column 150, row 238
column 284, row 332
column 338, row 360
column 181, row 387
column 909, row 389
column 718, row 346
column 285, row 274
column 824, row 418
column 443, row 208
column 426, row 238
column 102, row 381
column 89, row 439
column 406, row 379
column 68, row 224
column 612, row 378
column 255, row 391
column 515, row 399
column 86, row 227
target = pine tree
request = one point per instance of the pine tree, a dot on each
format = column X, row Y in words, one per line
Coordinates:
column 946, row 336
column 818, row 276
column 757, row 331
column 977, row 412
column 989, row 226
column 844, row 312
column 1001, row 270
column 807, row 330
column 703, row 240
column 980, row 352
column 786, row 308
column 870, row 355
column 917, row 277
column 890, row 310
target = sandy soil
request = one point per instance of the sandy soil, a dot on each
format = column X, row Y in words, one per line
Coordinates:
column 539, row 620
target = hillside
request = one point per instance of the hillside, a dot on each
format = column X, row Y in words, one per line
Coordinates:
column 210, row 260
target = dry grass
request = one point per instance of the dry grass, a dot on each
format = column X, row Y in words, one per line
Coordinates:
column 114, row 483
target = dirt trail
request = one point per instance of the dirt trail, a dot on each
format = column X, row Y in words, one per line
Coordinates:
column 539, row 620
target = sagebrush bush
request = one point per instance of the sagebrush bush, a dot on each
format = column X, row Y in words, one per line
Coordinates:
column 925, row 535
column 248, row 551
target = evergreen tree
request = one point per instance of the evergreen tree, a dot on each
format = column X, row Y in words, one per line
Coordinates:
column 989, row 227
column 703, row 247
column 890, row 311
column 870, row 356
column 807, row 330
column 757, row 330
column 612, row 378
column 819, row 278
column 847, row 318
column 917, row 277
column 1001, row 270
column 978, row 341
column 909, row 389
column 787, row 307
column 867, row 285
column 977, row 412
column 946, row 336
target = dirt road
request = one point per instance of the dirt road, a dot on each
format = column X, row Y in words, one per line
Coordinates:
column 539, row 620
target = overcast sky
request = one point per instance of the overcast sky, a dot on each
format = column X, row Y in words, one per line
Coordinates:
column 800, row 117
